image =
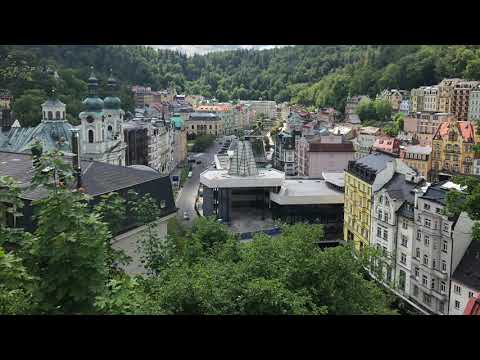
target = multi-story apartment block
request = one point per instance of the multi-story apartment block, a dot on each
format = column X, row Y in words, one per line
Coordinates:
column 419, row 158
column 430, row 99
column 465, row 284
column 423, row 125
column 269, row 108
column 461, row 97
column 440, row 242
column 205, row 123
column 474, row 104
column 392, row 228
column 149, row 144
column 445, row 94
column 363, row 178
column 416, row 99
column 318, row 154
column 284, row 155
column 452, row 150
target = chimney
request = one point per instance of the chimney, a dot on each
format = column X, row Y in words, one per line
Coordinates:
column 76, row 157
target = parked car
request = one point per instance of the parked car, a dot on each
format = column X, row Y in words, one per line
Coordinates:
column 190, row 174
column 199, row 162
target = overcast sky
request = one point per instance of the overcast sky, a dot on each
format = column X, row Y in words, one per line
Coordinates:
column 203, row 49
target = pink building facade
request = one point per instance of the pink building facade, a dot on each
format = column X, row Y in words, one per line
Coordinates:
column 323, row 154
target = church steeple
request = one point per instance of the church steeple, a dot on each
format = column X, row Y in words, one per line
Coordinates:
column 112, row 101
column 92, row 84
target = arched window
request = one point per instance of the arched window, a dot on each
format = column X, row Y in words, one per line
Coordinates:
column 57, row 115
column 90, row 136
column 50, row 115
column 109, row 132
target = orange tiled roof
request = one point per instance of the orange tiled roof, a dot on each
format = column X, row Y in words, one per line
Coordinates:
column 466, row 129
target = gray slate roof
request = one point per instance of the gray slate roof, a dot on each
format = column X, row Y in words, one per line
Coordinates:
column 97, row 177
column 468, row 271
column 376, row 161
column 53, row 103
column 399, row 188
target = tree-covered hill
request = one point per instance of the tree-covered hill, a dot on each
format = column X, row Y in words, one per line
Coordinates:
column 318, row 75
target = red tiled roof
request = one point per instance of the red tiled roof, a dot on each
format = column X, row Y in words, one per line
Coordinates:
column 466, row 129
column 473, row 307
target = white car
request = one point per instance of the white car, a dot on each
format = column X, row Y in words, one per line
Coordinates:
column 185, row 215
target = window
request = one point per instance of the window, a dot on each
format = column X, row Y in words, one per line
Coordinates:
column 457, row 289
column 426, row 206
column 443, row 286
column 419, row 235
column 380, row 214
column 379, row 232
column 426, row 299
column 404, row 224
column 404, row 241
column 427, row 240
column 57, row 115
column 457, row 304
column 384, row 251
column 385, row 234
column 434, row 263
column 424, row 280
column 432, row 284
column 438, row 210
column 444, row 266
column 470, row 294
column 402, row 279
column 441, row 307
column 90, row 136
column 381, row 199
column 50, row 115
column 425, row 259
column 386, row 217
column 428, row 223
column 193, row 127
column 445, row 246
column 417, row 253
column 417, row 272
column 403, row 258
column 387, row 203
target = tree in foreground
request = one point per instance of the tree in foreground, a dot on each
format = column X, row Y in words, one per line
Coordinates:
column 209, row 271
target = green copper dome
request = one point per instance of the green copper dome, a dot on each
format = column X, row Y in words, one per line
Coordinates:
column 112, row 102
column 93, row 104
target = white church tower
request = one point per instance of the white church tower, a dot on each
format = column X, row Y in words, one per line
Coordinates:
column 101, row 134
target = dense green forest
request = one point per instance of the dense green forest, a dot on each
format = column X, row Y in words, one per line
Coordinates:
column 313, row 75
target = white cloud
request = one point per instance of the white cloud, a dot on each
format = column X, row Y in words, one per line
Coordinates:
column 203, row 49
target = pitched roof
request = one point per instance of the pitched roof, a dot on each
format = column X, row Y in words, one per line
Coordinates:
column 468, row 270
column 376, row 161
column 465, row 128
column 400, row 189
column 97, row 177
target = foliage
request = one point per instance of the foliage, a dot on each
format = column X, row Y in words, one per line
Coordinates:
column 374, row 110
column 287, row 274
column 16, row 286
column 202, row 143
column 312, row 75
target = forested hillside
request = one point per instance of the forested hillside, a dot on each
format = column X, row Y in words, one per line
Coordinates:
column 320, row 75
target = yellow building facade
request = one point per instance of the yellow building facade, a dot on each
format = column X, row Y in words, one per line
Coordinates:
column 452, row 144
column 357, row 211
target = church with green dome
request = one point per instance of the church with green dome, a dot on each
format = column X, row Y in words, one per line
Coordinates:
column 101, row 134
